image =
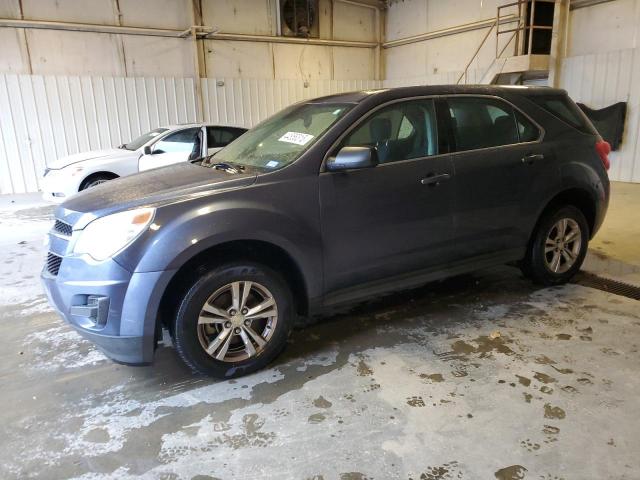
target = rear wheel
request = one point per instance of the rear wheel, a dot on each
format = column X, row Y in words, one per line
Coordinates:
column 558, row 247
column 234, row 320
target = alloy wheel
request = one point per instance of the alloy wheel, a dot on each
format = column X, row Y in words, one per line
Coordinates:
column 562, row 245
column 237, row 321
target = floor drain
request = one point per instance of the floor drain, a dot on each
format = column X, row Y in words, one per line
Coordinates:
column 591, row 280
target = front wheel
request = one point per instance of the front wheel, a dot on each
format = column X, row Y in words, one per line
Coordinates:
column 234, row 320
column 558, row 247
column 95, row 181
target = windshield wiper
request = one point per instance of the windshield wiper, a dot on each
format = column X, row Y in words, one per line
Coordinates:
column 227, row 166
column 208, row 162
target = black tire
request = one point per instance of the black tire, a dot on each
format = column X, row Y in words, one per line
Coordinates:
column 536, row 264
column 95, row 180
column 186, row 331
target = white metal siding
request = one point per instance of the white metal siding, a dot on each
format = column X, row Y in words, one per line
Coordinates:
column 602, row 79
column 43, row 118
column 245, row 102
column 447, row 78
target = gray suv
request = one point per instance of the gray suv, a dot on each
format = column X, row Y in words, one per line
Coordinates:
column 328, row 202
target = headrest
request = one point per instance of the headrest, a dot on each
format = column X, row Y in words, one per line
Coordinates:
column 380, row 129
column 504, row 122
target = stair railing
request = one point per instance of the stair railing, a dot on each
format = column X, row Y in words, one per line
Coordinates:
column 498, row 57
column 475, row 54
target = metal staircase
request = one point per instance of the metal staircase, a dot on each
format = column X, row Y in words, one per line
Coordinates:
column 523, row 50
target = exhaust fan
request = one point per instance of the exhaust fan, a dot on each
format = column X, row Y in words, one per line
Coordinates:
column 299, row 17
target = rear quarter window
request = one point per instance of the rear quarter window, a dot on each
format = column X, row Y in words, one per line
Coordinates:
column 563, row 108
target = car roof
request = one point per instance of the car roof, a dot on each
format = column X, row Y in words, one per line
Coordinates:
column 422, row 90
column 176, row 126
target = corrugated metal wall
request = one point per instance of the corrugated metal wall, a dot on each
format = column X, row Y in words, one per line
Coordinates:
column 247, row 101
column 602, row 79
column 445, row 78
column 43, row 118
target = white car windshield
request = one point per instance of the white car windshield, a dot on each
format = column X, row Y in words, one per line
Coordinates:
column 143, row 139
column 282, row 138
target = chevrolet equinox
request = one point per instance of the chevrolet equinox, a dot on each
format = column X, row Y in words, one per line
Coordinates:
column 328, row 202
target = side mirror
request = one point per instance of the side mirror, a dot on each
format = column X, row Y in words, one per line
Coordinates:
column 351, row 158
column 147, row 150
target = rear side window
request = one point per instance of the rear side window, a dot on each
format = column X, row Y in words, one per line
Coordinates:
column 562, row 107
column 527, row 131
column 221, row 137
column 481, row 123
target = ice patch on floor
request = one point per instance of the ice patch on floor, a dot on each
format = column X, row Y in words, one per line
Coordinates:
column 493, row 312
column 323, row 359
column 61, row 348
column 23, row 256
column 121, row 415
column 36, row 306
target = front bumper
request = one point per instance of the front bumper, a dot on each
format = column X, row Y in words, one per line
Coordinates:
column 111, row 307
column 51, row 197
column 58, row 186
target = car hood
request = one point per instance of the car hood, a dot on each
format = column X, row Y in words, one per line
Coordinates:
column 113, row 153
column 154, row 187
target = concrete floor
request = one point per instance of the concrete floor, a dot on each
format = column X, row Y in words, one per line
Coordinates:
column 478, row 377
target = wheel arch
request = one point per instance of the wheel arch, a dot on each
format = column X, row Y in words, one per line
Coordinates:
column 93, row 175
column 576, row 196
column 259, row 251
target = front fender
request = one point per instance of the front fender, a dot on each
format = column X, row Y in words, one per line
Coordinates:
column 177, row 235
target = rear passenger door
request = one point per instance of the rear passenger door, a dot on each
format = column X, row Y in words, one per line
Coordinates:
column 497, row 156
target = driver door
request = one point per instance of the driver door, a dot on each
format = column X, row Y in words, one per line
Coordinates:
column 394, row 218
column 176, row 147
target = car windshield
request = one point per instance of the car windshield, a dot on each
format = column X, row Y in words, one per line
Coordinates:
column 143, row 139
column 282, row 138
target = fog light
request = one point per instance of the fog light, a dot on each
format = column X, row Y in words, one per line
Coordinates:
column 93, row 311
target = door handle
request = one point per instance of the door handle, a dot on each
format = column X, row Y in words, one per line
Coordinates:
column 434, row 179
column 534, row 157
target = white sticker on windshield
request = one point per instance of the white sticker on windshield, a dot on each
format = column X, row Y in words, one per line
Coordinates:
column 270, row 164
column 296, row 137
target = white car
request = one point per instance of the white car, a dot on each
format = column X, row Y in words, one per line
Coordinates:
column 157, row 148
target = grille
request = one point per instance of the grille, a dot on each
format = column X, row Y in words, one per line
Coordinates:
column 53, row 263
column 62, row 228
column 587, row 279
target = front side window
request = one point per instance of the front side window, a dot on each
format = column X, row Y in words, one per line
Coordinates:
column 184, row 141
column 282, row 138
column 481, row 123
column 400, row 131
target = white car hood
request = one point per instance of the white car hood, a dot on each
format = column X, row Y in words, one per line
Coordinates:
column 102, row 155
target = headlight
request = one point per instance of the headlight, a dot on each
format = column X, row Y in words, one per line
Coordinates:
column 106, row 236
